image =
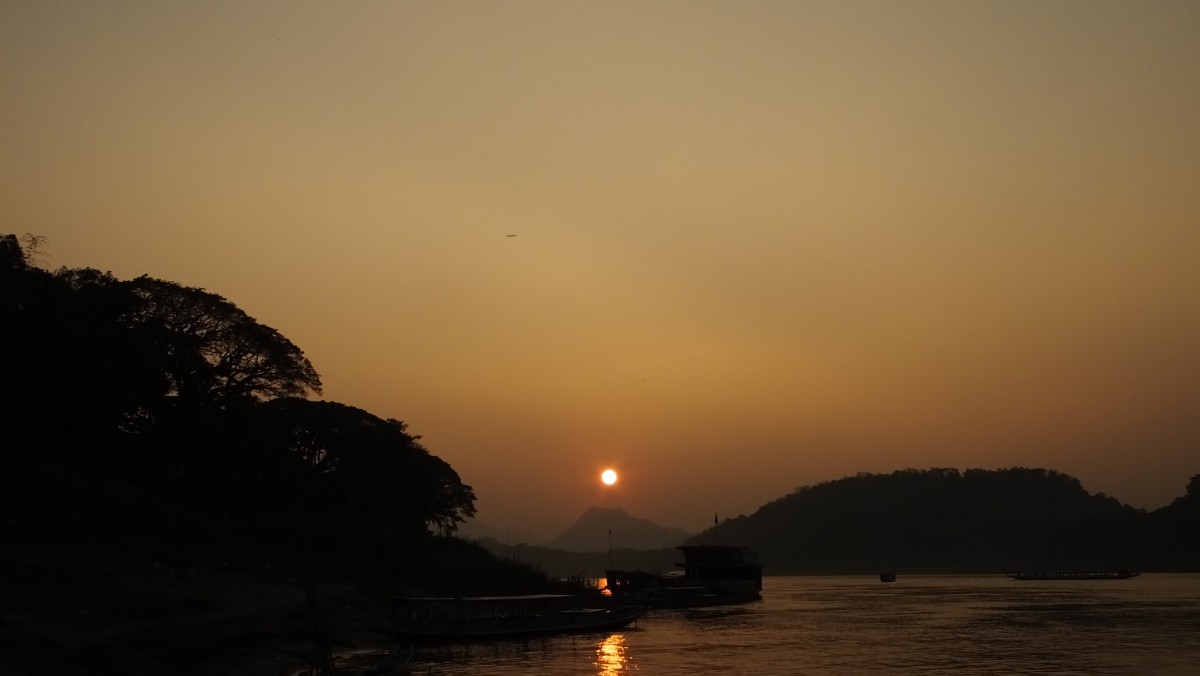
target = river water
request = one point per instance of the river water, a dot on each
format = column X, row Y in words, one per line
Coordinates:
column 817, row 625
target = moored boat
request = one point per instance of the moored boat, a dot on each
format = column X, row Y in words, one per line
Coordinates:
column 710, row 575
column 1075, row 575
column 473, row 618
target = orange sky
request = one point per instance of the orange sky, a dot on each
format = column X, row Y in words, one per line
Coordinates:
column 759, row 244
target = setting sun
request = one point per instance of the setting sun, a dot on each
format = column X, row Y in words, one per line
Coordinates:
column 609, row 477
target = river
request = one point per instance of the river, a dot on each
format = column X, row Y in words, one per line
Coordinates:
column 824, row 625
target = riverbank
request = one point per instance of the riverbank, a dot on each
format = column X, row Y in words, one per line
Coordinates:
column 137, row 619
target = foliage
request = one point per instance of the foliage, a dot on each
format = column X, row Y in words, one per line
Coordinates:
column 353, row 463
column 167, row 419
column 944, row 520
column 212, row 351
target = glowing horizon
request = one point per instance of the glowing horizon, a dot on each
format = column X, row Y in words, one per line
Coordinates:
column 728, row 248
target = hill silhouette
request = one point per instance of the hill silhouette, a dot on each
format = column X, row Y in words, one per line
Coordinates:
column 919, row 521
column 591, row 532
column 945, row 521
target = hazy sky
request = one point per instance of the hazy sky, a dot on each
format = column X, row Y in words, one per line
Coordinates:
column 759, row 245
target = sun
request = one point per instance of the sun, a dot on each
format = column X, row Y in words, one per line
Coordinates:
column 609, row 477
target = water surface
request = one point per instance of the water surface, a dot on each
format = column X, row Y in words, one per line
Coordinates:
column 961, row 625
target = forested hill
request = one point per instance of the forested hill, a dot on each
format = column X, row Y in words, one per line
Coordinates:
column 165, row 424
column 944, row 520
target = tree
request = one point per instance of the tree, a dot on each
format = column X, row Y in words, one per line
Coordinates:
column 154, row 391
column 73, row 373
column 356, row 463
column 213, row 352
column 12, row 256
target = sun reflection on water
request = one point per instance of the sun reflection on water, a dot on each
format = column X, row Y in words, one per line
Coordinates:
column 610, row 656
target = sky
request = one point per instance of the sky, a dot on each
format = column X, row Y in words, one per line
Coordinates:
column 727, row 248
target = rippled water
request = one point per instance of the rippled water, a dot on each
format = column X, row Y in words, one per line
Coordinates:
column 959, row 625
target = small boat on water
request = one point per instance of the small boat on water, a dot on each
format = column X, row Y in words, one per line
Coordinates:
column 473, row 618
column 887, row 577
column 711, row 575
column 1075, row 575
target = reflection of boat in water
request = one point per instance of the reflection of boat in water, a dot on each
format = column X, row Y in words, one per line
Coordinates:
column 494, row 617
column 887, row 577
column 1076, row 575
column 711, row 575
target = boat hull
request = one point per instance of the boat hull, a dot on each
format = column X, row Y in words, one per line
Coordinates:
column 485, row 629
column 704, row 601
column 1075, row 575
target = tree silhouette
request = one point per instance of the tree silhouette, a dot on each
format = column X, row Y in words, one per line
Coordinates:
column 119, row 389
column 357, row 463
column 213, row 351
column 942, row 520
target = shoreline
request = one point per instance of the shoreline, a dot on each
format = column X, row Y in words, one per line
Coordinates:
column 186, row 623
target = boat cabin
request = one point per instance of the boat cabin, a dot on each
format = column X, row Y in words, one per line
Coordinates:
column 723, row 568
column 708, row 575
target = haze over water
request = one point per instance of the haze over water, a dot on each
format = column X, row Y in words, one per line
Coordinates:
column 920, row 625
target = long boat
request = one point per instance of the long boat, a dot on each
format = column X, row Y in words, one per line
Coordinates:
column 474, row 618
column 1076, row 575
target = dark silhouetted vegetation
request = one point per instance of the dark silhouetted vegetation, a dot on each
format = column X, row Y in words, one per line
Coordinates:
column 947, row 521
column 163, row 423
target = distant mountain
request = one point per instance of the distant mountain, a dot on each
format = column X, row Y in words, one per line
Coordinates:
column 560, row 563
column 591, row 533
column 945, row 521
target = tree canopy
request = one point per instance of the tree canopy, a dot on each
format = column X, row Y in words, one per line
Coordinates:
column 178, row 404
column 212, row 351
column 951, row 521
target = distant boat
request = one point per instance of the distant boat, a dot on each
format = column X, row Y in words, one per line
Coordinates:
column 473, row 618
column 711, row 575
column 1076, row 575
column 887, row 577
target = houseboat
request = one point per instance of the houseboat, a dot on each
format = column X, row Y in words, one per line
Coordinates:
column 709, row 575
